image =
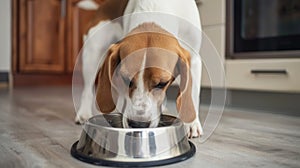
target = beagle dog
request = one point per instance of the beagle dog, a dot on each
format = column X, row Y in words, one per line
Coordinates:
column 139, row 68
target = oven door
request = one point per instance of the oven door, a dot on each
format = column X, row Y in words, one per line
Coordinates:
column 263, row 28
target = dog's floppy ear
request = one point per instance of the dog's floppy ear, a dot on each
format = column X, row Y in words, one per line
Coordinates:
column 104, row 91
column 184, row 102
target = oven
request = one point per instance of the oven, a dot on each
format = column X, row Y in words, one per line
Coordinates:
column 262, row 29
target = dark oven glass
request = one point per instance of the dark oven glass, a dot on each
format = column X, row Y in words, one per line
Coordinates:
column 265, row 26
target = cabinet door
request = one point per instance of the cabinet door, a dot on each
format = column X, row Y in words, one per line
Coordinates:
column 78, row 22
column 42, row 36
column 212, row 12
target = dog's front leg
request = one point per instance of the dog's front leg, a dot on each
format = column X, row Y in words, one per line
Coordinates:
column 85, row 109
column 98, row 40
column 89, row 68
column 194, row 129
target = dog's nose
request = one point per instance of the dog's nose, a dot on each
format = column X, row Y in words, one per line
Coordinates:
column 141, row 102
column 140, row 112
column 141, row 105
column 138, row 124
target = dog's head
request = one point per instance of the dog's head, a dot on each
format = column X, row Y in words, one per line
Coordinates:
column 146, row 63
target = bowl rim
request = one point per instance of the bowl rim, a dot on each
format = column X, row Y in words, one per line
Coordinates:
column 179, row 123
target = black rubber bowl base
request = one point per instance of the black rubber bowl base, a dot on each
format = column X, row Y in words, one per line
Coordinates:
column 103, row 162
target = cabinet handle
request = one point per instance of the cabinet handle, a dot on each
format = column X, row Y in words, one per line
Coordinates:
column 63, row 5
column 275, row 71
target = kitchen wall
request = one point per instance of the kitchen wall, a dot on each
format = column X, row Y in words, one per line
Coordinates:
column 5, row 36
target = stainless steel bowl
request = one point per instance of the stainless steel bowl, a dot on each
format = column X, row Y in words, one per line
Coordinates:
column 104, row 142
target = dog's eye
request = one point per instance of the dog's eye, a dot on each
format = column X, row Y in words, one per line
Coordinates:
column 127, row 81
column 161, row 85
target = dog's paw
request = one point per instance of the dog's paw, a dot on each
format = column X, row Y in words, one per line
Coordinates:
column 194, row 129
column 82, row 116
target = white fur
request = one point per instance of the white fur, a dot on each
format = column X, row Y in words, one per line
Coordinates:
column 194, row 129
column 142, row 106
column 185, row 9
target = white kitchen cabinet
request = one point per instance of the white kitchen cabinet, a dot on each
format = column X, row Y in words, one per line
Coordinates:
column 215, row 36
column 272, row 74
column 212, row 14
column 264, row 74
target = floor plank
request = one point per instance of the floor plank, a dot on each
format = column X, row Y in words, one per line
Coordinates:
column 37, row 130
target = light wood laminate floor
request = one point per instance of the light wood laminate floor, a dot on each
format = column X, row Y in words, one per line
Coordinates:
column 37, row 130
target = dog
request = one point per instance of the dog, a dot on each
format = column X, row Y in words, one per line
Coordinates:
column 146, row 84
